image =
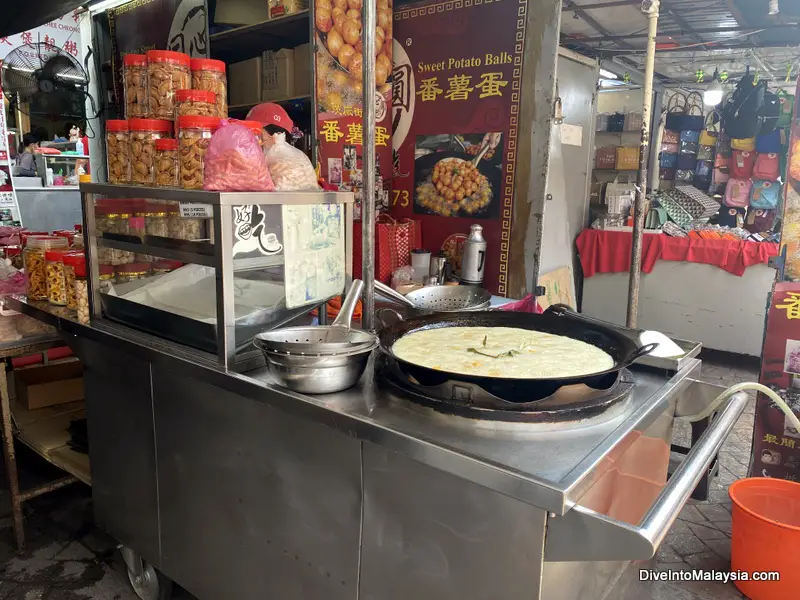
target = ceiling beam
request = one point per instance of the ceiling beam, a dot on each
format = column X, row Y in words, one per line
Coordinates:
column 706, row 30
column 716, row 46
column 583, row 8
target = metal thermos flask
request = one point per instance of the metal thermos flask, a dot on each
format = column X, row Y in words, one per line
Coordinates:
column 473, row 258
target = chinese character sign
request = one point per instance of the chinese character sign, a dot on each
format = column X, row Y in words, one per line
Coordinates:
column 339, row 91
column 776, row 444
column 63, row 33
column 455, row 103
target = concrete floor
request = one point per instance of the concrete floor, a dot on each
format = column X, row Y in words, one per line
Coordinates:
column 69, row 559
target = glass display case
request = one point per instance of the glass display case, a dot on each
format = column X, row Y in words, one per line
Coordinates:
column 61, row 170
column 211, row 269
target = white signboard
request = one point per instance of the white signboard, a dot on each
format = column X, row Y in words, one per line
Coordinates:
column 64, row 33
column 195, row 210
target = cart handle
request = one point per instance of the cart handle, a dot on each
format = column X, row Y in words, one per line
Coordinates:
column 586, row 535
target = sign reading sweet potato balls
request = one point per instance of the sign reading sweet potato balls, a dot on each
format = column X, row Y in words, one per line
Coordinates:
column 454, row 112
column 338, row 31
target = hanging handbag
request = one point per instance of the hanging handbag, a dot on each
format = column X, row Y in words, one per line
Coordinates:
column 721, row 161
column 786, row 102
column 771, row 113
column 627, row 158
column 689, row 148
column 730, row 216
column 606, row 158
column 708, row 138
column 689, row 135
column 765, row 194
column 724, row 144
column 671, row 136
column 684, row 175
column 767, row 167
column 745, row 144
column 666, row 174
column 705, row 153
column 676, row 111
column 670, row 148
column 742, row 164
column 616, row 122
column 687, row 162
column 769, row 142
column 760, row 220
column 668, row 160
column 719, row 180
column 394, row 241
column 694, row 119
column 737, row 193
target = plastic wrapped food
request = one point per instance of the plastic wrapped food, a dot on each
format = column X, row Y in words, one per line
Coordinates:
column 289, row 168
column 235, row 162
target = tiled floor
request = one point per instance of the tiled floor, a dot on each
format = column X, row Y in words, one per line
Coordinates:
column 69, row 559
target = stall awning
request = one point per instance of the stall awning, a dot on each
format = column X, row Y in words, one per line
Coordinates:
column 17, row 17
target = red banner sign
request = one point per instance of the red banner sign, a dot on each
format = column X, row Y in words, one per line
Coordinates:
column 776, row 444
column 455, row 109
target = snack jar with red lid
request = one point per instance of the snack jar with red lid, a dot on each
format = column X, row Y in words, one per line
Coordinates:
column 74, row 268
column 132, row 272
column 167, row 162
column 168, row 72
column 194, row 134
column 134, row 85
column 34, row 258
column 143, row 136
column 195, row 103
column 56, row 284
column 118, row 155
column 209, row 74
column 165, row 266
column 24, row 235
column 65, row 233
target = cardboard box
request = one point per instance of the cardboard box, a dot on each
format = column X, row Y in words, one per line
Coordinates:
column 241, row 12
column 278, row 81
column 244, row 82
column 302, row 70
column 48, row 385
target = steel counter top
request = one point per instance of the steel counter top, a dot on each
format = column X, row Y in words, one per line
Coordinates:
column 546, row 467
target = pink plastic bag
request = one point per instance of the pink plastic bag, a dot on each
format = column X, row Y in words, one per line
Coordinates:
column 235, row 163
column 528, row 305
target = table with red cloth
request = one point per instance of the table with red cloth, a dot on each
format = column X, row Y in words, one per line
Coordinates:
column 610, row 252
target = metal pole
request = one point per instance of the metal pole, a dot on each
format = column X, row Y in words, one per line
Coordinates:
column 641, row 180
column 368, row 164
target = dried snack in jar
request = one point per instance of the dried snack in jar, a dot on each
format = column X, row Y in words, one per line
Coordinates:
column 235, row 162
column 167, row 163
column 289, row 167
column 134, row 81
column 56, row 284
column 35, row 263
column 143, row 136
column 118, row 151
column 74, row 262
column 167, row 72
column 197, row 103
column 209, row 74
column 194, row 134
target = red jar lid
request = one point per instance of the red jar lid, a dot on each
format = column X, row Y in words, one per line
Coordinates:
column 150, row 125
column 79, row 227
column 117, row 125
column 255, row 126
column 106, row 269
column 196, row 95
column 167, row 144
column 168, row 56
column 55, row 255
column 167, row 265
column 74, row 259
column 195, row 122
column 13, row 251
column 133, row 268
column 207, row 64
column 134, row 60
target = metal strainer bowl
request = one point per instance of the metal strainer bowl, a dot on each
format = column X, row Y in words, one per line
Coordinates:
column 450, row 298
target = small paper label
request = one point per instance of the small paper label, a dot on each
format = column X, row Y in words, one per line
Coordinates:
column 571, row 135
column 193, row 210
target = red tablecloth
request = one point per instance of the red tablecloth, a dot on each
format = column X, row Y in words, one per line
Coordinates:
column 610, row 252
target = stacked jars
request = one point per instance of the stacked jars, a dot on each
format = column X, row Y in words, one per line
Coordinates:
column 56, row 283
column 135, row 89
column 118, row 151
column 167, row 162
column 35, row 263
column 184, row 228
column 132, row 272
column 143, row 136
column 194, row 135
column 209, row 75
column 113, row 220
column 195, row 103
column 80, row 292
column 167, row 73
column 74, row 266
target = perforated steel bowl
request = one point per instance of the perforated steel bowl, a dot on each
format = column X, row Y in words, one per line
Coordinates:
column 450, row 298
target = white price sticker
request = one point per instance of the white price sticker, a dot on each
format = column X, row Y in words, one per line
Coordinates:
column 193, row 210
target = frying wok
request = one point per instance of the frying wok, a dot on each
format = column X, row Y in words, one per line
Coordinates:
column 423, row 168
column 622, row 350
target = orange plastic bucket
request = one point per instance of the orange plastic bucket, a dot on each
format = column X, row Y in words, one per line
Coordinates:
column 766, row 536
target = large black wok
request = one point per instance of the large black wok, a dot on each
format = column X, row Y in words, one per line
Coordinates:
column 622, row 349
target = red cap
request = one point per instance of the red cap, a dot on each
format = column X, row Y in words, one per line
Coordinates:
column 134, row 60
column 207, row 64
column 56, row 255
column 74, row 259
column 168, row 56
column 150, row 125
column 116, row 125
column 254, row 126
column 190, row 122
column 196, row 95
column 270, row 113
column 167, row 144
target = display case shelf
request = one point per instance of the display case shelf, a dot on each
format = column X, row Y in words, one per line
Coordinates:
column 161, row 251
column 241, row 43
